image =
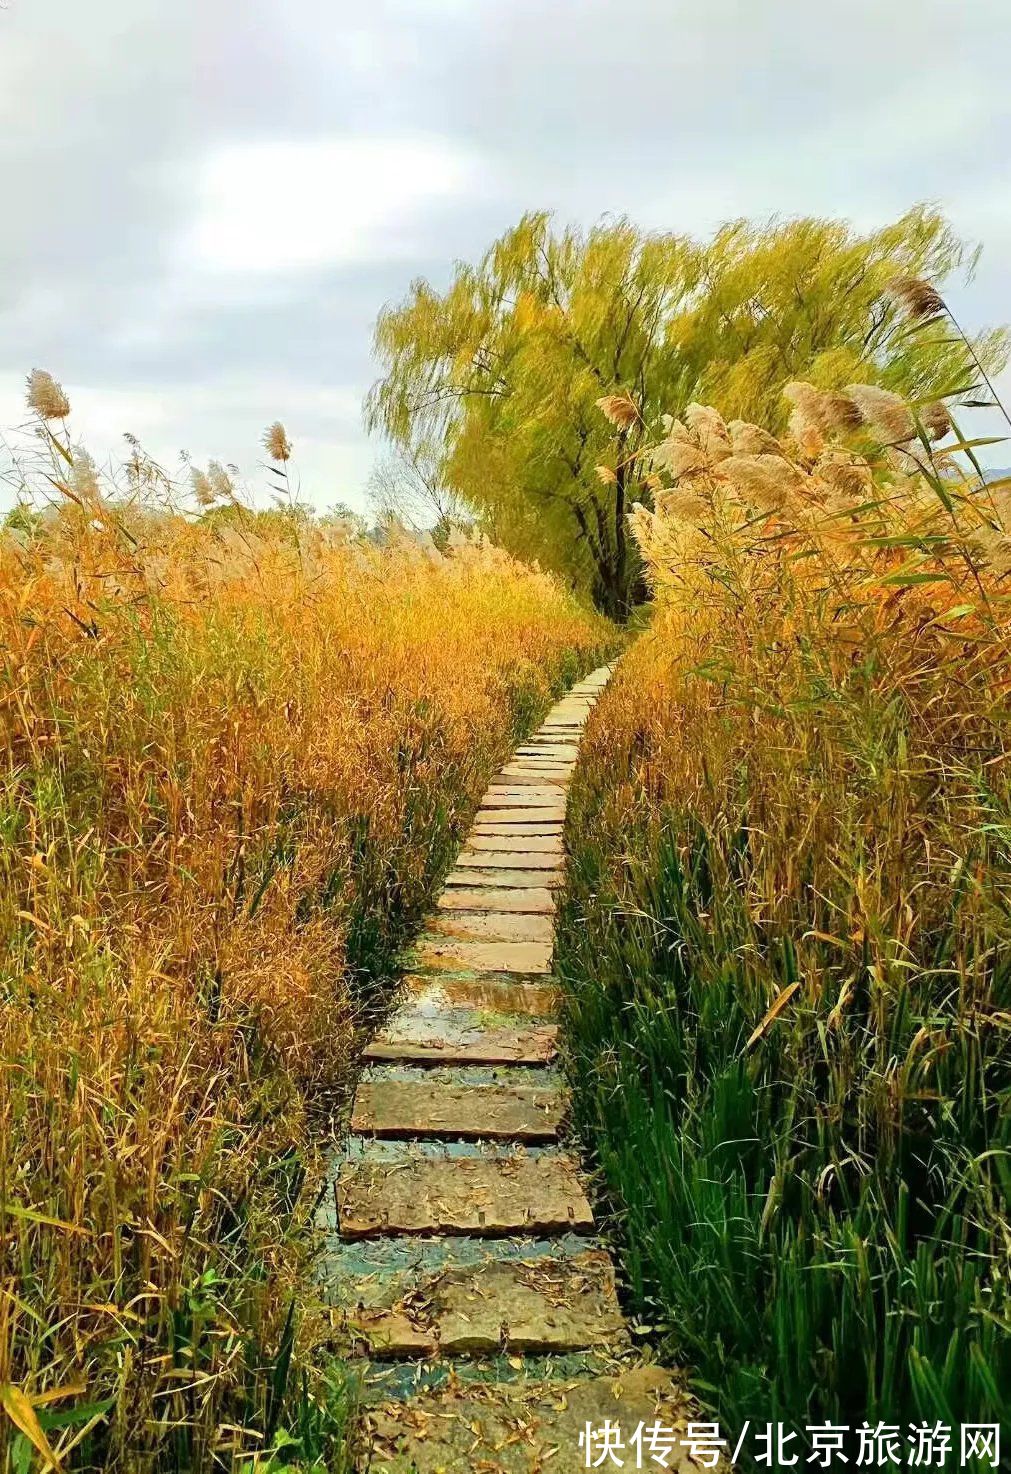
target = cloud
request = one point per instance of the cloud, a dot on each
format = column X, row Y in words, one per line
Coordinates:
column 206, row 206
column 278, row 206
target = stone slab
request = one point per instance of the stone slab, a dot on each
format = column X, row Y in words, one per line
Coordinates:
column 533, row 900
column 545, row 763
column 401, row 1108
column 521, row 958
column 511, row 842
column 492, row 926
column 462, row 1037
column 508, row 795
column 519, row 858
column 526, row 1427
column 516, row 774
column 544, row 1306
column 518, row 880
column 435, row 996
column 519, row 829
column 550, row 747
column 522, row 814
column 486, row 1195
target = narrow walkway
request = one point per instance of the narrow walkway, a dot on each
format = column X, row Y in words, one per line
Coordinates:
column 462, row 1261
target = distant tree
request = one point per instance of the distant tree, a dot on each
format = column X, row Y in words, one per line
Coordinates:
column 502, row 373
column 407, row 486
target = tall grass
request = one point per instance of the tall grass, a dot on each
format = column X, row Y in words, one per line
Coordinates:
column 235, row 757
column 787, row 928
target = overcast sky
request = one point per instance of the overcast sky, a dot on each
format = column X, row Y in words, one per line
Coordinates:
column 206, row 202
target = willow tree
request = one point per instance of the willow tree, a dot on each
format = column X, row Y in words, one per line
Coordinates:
column 504, row 371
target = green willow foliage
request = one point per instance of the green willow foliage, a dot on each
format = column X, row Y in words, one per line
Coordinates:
column 502, row 371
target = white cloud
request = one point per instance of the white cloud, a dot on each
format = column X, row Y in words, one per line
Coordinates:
column 291, row 205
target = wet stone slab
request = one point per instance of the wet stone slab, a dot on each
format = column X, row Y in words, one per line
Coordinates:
column 524, row 1427
column 432, row 997
column 488, row 1194
column 458, row 1110
column 540, row 1305
column 492, row 926
column 522, row 959
column 464, row 1037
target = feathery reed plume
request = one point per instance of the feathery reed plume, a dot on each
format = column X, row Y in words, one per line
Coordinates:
column 768, row 481
column 619, row 409
column 923, row 304
column 884, row 411
column 920, row 298
column 84, row 477
column 679, row 457
column 222, row 484
column 936, row 420
column 841, row 413
column 816, row 412
column 276, row 442
column 807, row 415
column 710, row 430
column 752, row 440
column 845, row 474
column 202, row 488
column 46, row 397
column 606, row 476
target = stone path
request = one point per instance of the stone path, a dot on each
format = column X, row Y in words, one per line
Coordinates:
column 461, row 1261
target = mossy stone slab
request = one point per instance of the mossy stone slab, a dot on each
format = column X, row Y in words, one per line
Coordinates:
column 526, row 1427
column 402, row 1108
column 485, row 1195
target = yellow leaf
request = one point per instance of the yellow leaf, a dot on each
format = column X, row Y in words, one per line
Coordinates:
column 57, row 1394
column 772, row 1012
column 21, row 1413
column 32, row 1217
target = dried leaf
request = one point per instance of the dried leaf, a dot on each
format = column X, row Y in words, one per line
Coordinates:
column 772, row 1013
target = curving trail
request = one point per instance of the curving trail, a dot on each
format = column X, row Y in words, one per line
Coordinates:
column 462, row 1258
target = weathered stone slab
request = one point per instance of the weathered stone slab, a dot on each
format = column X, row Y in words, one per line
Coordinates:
column 537, row 759
column 533, row 900
column 467, row 1040
column 510, row 842
column 519, row 830
column 519, row 858
column 399, row 1108
column 435, row 996
column 532, row 773
column 506, row 795
column 558, row 752
column 486, row 1195
column 526, row 1427
column 521, row 958
column 520, row 880
column 542, row 813
column 544, row 1306
column 433, row 1026
column 492, row 926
